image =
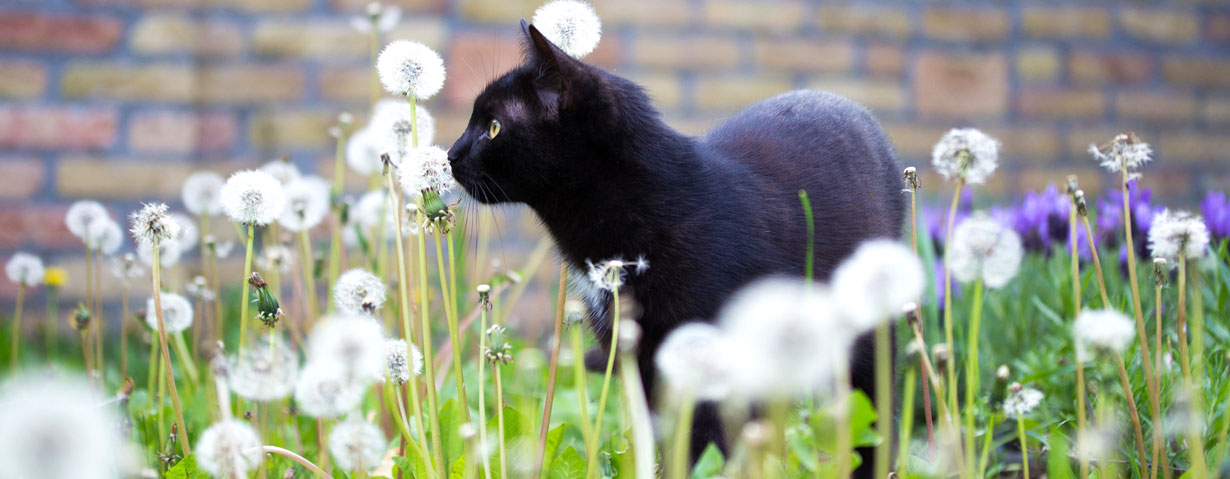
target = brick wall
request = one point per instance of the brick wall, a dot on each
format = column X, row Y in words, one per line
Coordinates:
column 118, row 100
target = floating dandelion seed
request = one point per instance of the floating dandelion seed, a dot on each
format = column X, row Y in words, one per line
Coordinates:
column 229, row 448
column 176, row 313
column 25, row 269
column 984, row 249
column 264, row 371
column 81, row 214
column 324, row 391
column 1021, row 402
column 358, row 287
column 152, row 223
column 356, row 444
column 874, row 283
column 571, row 25
column 403, row 360
column 966, row 154
column 410, row 69
column 57, row 428
column 202, row 193
column 1101, row 330
column 426, row 168
column 696, row 358
column 307, row 203
column 1175, row 232
column 253, row 197
column 352, row 342
column 1124, row 152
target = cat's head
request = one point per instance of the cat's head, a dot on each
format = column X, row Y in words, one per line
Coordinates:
column 538, row 129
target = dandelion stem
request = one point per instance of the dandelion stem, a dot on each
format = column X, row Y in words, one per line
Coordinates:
column 124, row 331
column 243, row 299
column 907, row 423
column 453, row 334
column 297, row 458
column 1020, row 435
column 499, row 415
column 428, row 354
column 1161, row 459
column 971, row 372
column 638, row 408
column 1193, row 366
column 185, row 356
column 845, row 442
column 166, row 355
column 1133, row 414
column 16, row 339
column 986, row 446
column 579, row 383
column 884, row 397
column 309, row 279
column 1151, row 378
column 1082, row 428
column 1097, row 262
column 592, row 460
column 553, row 368
column 811, row 238
column 948, row 336
column 683, row 427
column 403, row 292
column 98, row 316
column 482, row 380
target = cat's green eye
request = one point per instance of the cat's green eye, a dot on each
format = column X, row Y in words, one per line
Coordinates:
column 493, row 129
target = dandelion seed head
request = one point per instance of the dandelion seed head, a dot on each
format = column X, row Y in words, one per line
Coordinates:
column 356, row 444
column 982, row 248
column 571, row 25
column 263, row 371
column 202, row 193
column 307, row 203
column 391, row 126
column 152, row 223
column 1101, row 330
column 1175, row 232
column 363, row 150
column 356, row 287
column 276, row 257
column 612, row 273
column 875, row 283
column 410, row 68
column 253, row 197
column 374, row 211
column 967, row 154
column 402, row 359
column 426, row 168
column 1021, row 402
column 188, row 236
column 176, row 313
column 1125, row 151
column 81, row 214
column 355, row 343
column 57, row 427
column 696, row 359
column 282, row 170
column 169, row 253
column 229, row 448
column 25, row 269
column 105, row 236
column 324, row 391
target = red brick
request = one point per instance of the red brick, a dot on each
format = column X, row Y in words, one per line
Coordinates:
column 885, row 59
column 55, row 32
column 475, row 59
column 1217, row 110
column 178, row 132
column 1051, row 103
column 731, row 92
column 675, row 13
column 1156, row 107
column 35, row 224
column 163, row 33
column 1160, row 26
column 1217, row 28
column 1063, row 22
column 22, row 79
column 692, row 51
column 1095, row 68
column 21, row 177
column 1189, row 147
column 807, row 55
column 355, row 84
column 57, row 128
column 769, row 16
column 960, row 85
column 863, row 20
column 1197, row 72
column 280, row 129
column 965, row 24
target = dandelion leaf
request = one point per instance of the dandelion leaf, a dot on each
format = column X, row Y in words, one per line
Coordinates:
column 569, row 465
column 710, row 463
column 186, row 469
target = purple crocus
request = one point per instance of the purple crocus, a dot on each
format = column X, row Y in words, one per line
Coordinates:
column 1041, row 219
column 1216, row 210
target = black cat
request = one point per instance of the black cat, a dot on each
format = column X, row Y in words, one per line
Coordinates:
column 589, row 153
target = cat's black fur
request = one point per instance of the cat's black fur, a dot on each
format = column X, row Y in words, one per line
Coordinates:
column 588, row 152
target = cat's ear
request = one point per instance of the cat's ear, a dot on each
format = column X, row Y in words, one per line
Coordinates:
column 560, row 74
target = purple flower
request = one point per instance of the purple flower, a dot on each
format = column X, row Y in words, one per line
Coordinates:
column 934, row 221
column 1041, row 219
column 1110, row 218
column 1216, row 210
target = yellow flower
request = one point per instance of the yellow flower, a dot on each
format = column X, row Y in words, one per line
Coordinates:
column 56, row 277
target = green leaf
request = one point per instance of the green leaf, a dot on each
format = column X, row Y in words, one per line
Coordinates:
column 554, row 438
column 1057, row 464
column 710, row 463
column 186, row 469
column 412, row 466
column 569, row 465
column 458, row 469
column 450, row 430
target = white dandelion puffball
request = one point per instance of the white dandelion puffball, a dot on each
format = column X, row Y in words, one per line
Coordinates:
column 358, row 287
column 253, row 197
column 787, row 339
column 1022, row 402
column 571, row 25
column 188, row 235
column 874, row 284
column 57, row 427
column 967, row 154
column 1101, row 330
column 202, row 193
column 229, row 448
column 1124, row 152
column 25, row 269
column 1175, row 232
column 363, row 150
column 403, row 360
column 984, row 249
column 104, row 236
column 282, row 170
column 696, row 359
column 410, row 68
column 176, row 313
column 391, row 123
column 426, row 168
column 152, row 223
column 354, row 343
column 81, row 214
column 384, row 17
column 307, row 203
column 276, row 257
column 169, row 253
column 356, row 444
column 263, row 371
column 612, row 273
column 373, row 209
column 324, row 391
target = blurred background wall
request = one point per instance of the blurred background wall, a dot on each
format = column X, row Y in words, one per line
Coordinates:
column 118, row 100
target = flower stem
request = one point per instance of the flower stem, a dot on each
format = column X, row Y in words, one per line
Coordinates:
column 124, row 331
column 403, row 291
column 1020, row 435
column 428, row 354
column 1133, row 414
column 884, row 397
column 811, row 240
column 297, row 458
column 948, row 336
column 592, row 460
column 181, row 349
column 683, row 428
column 1097, row 262
column 845, row 441
column 1193, row 367
column 499, row 415
column 454, row 335
column 1161, row 458
column 1151, row 378
column 971, row 372
column 1082, row 427
column 986, row 447
column 309, row 279
column 553, row 368
column 907, row 423
column 579, row 383
column 482, row 379
column 166, row 355
column 642, row 430
column 243, row 299
column 16, row 339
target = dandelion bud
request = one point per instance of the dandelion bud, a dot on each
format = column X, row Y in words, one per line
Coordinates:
column 914, row 348
column 911, row 178
column 1073, row 187
column 436, row 210
column 1082, row 207
column 1001, row 384
column 629, row 336
column 1014, row 387
column 574, row 312
column 941, row 354
column 267, row 308
column 1161, row 271
column 1003, row 372
column 498, row 350
column 80, row 319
